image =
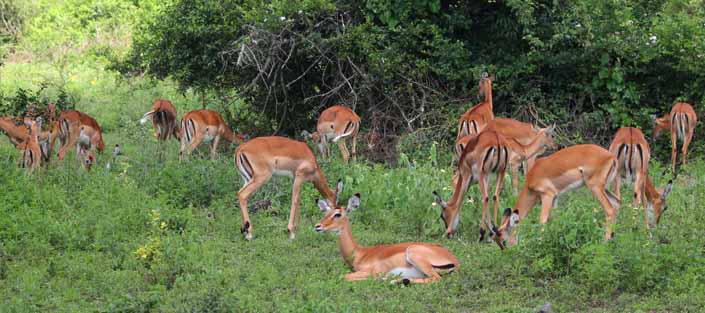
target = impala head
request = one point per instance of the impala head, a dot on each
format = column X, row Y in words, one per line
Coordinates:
column 449, row 214
column 34, row 126
column 658, row 205
column 503, row 236
column 485, row 84
column 546, row 135
column 336, row 217
column 659, row 124
column 88, row 159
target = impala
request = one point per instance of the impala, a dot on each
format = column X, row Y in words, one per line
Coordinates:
column 205, row 126
column 31, row 152
column 70, row 123
column 86, row 145
column 681, row 123
column 412, row 262
column 560, row 172
column 260, row 158
column 164, row 120
column 477, row 117
column 523, row 134
column 484, row 154
column 633, row 155
column 16, row 133
column 336, row 123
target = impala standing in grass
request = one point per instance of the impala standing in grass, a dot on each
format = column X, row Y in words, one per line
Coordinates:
column 205, row 126
column 336, row 123
column 681, row 124
column 476, row 118
column 260, row 158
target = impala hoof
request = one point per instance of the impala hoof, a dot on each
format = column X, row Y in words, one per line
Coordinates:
column 248, row 236
column 406, row 281
column 292, row 236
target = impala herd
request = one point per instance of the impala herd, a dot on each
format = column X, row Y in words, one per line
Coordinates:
column 485, row 146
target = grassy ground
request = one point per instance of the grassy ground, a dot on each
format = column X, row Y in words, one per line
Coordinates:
column 149, row 236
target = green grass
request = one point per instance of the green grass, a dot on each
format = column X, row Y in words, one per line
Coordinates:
column 69, row 242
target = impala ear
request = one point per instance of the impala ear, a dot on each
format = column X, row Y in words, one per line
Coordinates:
column 323, row 205
column 551, row 129
column 439, row 200
column 514, row 218
column 353, row 202
column 667, row 190
column 484, row 75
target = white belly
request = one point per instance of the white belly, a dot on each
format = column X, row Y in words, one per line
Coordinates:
column 406, row 272
column 283, row 173
column 208, row 138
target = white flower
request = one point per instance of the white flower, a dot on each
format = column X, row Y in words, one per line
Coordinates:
column 301, row 11
column 578, row 25
column 282, row 18
column 653, row 38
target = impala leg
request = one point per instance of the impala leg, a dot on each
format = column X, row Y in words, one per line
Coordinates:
column 547, row 201
column 639, row 185
column 417, row 259
column 514, row 168
column 354, row 147
column 497, row 192
column 610, row 212
column 482, row 182
column 686, row 143
column 616, row 184
column 243, row 195
column 343, row 150
column 295, row 201
column 214, row 147
column 195, row 141
column 360, row 275
column 674, row 152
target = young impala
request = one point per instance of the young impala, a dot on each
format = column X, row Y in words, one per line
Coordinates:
column 31, row 152
column 205, row 126
column 633, row 155
column 560, row 172
column 164, row 120
column 260, row 158
column 523, row 134
column 412, row 262
column 336, row 123
column 477, row 117
column 681, row 124
column 70, row 123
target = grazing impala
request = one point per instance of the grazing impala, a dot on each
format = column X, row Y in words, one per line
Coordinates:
column 633, row 155
column 562, row 171
column 31, row 152
column 412, row 262
column 336, row 123
column 484, row 154
column 70, row 123
column 681, row 124
column 477, row 117
column 260, row 158
column 523, row 134
column 164, row 120
column 205, row 125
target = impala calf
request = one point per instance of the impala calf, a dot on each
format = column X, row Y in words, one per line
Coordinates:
column 164, row 120
column 565, row 170
column 680, row 122
column 411, row 262
column 633, row 155
column 474, row 120
column 205, row 126
column 336, row 124
column 260, row 158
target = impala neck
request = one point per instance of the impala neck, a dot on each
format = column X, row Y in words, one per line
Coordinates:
column 321, row 185
column 651, row 192
column 661, row 123
column 229, row 135
column 527, row 199
column 488, row 94
column 527, row 151
column 347, row 244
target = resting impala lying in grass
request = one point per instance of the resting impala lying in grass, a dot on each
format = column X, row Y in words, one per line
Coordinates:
column 412, row 262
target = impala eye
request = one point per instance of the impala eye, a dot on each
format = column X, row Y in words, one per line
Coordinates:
column 337, row 215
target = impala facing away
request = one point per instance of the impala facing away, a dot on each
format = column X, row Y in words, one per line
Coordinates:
column 260, row 158
column 205, row 126
column 70, row 123
column 412, row 262
column 562, row 171
column 164, row 120
column 681, row 123
column 476, row 118
column 483, row 154
column 336, row 123
column 633, row 155
column 523, row 134
column 31, row 152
